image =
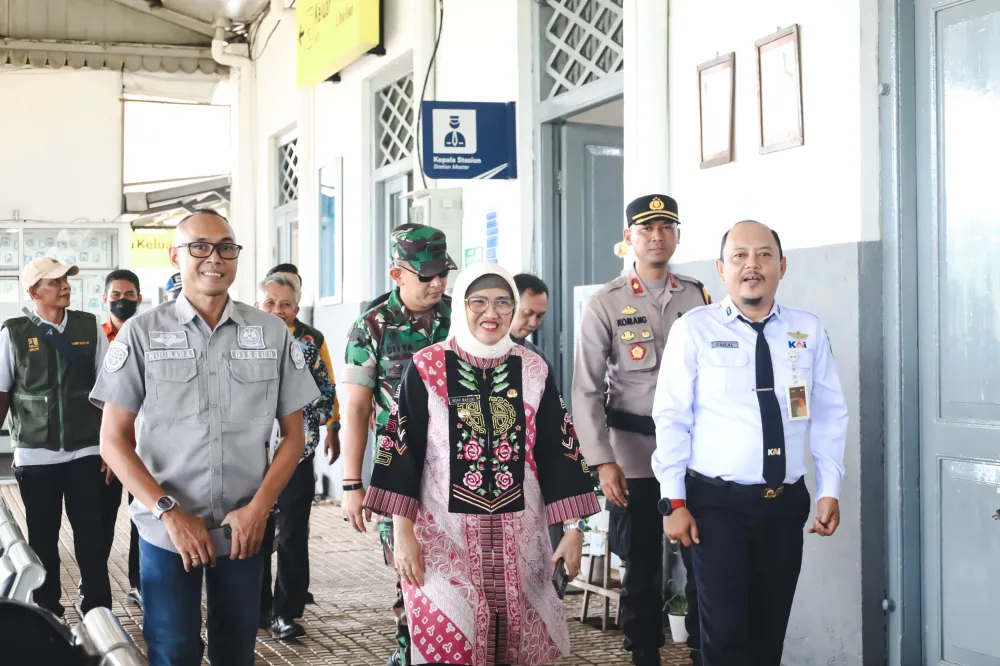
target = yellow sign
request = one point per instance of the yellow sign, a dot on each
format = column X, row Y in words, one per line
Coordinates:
column 331, row 34
column 149, row 248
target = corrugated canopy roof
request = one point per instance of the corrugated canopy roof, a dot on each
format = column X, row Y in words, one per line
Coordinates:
column 127, row 35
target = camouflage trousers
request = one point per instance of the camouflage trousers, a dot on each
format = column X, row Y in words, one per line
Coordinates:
column 402, row 655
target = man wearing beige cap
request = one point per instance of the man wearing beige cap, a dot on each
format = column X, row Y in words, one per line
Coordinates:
column 49, row 360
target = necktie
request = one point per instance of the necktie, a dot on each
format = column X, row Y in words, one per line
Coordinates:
column 770, row 410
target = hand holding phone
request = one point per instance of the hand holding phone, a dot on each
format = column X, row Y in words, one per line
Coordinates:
column 560, row 578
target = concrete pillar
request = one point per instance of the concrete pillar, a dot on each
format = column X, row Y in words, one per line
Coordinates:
column 425, row 15
column 243, row 192
column 309, row 249
column 647, row 137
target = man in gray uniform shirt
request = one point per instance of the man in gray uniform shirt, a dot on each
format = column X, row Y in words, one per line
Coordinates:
column 209, row 376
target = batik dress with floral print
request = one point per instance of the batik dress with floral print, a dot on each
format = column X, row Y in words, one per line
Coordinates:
column 482, row 456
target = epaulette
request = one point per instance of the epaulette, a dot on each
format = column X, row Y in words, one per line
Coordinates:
column 704, row 292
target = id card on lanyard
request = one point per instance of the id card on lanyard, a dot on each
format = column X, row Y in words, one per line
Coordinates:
column 797, row 393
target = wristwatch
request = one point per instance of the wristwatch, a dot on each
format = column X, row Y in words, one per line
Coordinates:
column 164, row 504
column 578, row 525
column 667, row 506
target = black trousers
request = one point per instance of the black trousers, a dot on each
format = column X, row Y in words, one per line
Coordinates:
column 636, row 536
column 81, row 483
column 109, row 517
column 747, row 566
column 290, row 530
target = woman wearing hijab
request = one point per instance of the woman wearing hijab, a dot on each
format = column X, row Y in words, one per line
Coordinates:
column 480, row 458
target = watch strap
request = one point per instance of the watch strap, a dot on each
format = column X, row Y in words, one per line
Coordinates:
column 353, row 486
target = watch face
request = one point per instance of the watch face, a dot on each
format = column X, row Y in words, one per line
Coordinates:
column 164, row 503
column 665, row 508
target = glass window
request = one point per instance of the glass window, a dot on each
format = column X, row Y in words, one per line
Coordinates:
column 10, row 245
column 9, row 298
column 90, row 249
column 327, row 232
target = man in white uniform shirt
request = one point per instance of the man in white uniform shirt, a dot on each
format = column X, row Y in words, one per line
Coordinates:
column 730, row 454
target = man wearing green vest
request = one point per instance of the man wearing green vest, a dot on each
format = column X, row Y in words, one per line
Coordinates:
column 48, row 364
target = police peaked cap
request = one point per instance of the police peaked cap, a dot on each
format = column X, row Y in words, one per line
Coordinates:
column 650, row 208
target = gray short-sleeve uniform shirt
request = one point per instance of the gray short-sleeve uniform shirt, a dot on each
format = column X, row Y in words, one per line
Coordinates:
column 206, row 401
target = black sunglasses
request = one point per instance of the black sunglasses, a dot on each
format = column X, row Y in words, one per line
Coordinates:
column 426, row 278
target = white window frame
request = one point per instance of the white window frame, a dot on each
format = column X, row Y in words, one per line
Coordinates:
column 386, row 177
column 336, row 167
column 284, row 215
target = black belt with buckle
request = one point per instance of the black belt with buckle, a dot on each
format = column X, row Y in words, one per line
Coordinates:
column 758, row 489
column 629, row 422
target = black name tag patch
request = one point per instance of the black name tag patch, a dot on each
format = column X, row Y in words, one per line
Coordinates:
column 632, row 321
column 725, row 344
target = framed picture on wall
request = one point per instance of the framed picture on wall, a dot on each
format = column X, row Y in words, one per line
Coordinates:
column 779, row 91
column 716, row 95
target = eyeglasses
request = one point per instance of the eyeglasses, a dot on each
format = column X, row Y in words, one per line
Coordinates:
column 203, row 250
column 425, row 278
column 480, row 304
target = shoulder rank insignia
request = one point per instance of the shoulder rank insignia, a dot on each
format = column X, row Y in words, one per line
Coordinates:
column 798, row 335
column 647, row 334
column 637, row 352
column 628, row 336
column 629, row 310
column 636, row 286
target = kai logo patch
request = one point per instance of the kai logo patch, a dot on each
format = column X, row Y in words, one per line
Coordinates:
column 774, row 452
column 637, row 352
column 796, row 344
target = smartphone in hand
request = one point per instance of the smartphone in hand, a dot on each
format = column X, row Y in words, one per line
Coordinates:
column 560, row 578
column 222, row 539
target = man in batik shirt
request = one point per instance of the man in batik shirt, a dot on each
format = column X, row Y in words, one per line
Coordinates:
column 290, row 525
column 380, row 346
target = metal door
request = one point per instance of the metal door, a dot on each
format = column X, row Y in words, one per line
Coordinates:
column 592, row 218
column 958, row 220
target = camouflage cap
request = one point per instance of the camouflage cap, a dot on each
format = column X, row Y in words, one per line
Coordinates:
column 424, row 248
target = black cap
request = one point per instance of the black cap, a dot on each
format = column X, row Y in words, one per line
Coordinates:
column 650, row 208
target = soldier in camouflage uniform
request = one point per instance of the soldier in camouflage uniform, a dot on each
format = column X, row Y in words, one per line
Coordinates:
column 381, row 344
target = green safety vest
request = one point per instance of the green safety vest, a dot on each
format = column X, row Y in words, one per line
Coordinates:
column 50, row 404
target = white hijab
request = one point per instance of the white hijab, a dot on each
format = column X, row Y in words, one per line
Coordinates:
column 460, row 330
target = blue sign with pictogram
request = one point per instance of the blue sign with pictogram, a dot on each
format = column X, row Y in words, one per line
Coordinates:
column 469, row 140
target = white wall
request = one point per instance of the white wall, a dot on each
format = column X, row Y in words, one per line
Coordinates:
column 479, row 60
column 823, row 193
column 61, row 132
column 334, row 120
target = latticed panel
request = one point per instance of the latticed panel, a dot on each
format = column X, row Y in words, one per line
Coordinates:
column 586, row 39
column 395, row 107
column 288, row 172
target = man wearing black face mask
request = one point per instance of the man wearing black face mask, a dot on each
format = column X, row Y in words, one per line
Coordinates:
column 122, row 298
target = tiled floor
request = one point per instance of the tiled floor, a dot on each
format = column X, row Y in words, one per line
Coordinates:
column 351, row 623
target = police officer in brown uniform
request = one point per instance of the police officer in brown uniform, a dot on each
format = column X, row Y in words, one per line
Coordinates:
column 622, row 334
